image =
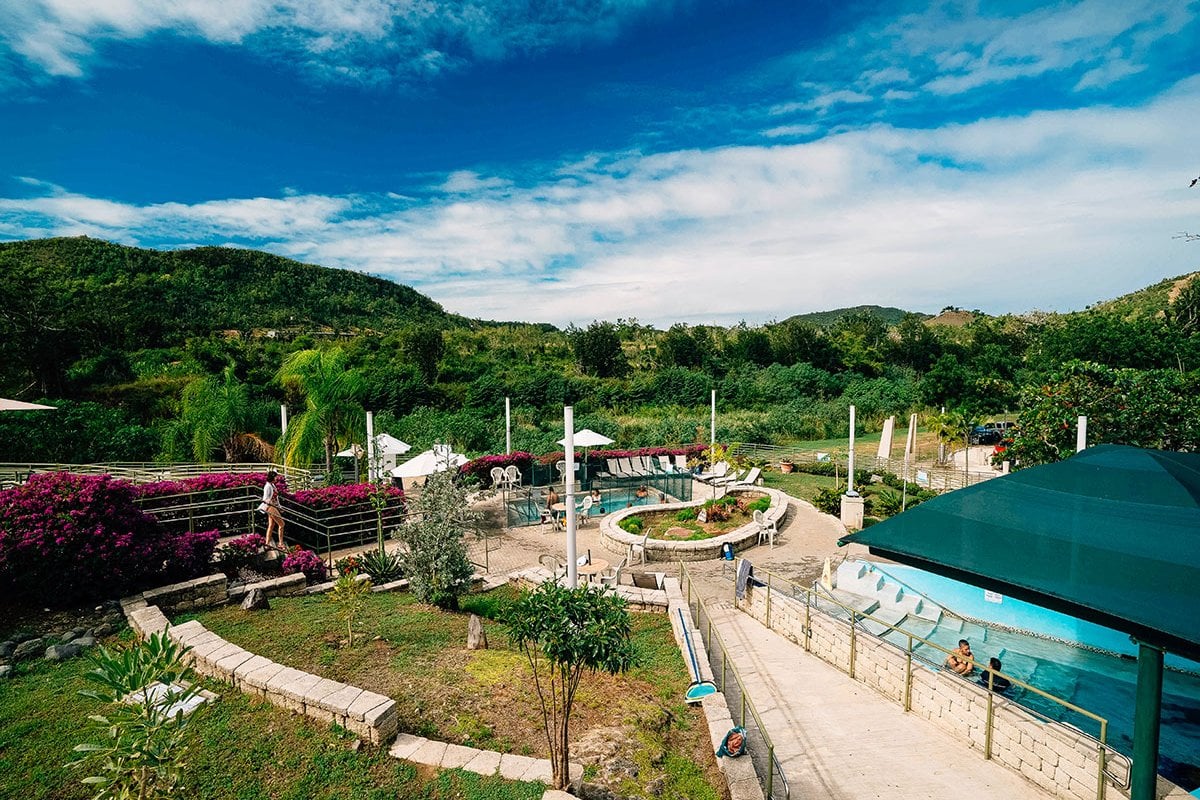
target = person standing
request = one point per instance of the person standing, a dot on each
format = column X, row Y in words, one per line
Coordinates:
column 270, row 506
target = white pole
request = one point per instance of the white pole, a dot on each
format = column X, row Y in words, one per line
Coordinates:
column 1081, row 435
column 712, row 436
column 372, row 472
column 507, row 425
column 850, row 466
column 283, row 420
column 569, row 494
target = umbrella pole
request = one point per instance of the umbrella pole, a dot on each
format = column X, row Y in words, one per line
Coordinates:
column 1146, row 715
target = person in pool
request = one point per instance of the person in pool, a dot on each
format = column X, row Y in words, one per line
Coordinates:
column 959, row 661
column 998, row 683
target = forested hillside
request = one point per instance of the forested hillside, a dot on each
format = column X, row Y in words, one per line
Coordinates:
column 189, row 354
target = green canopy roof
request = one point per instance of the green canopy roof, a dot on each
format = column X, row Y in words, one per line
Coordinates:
column 1110, row 535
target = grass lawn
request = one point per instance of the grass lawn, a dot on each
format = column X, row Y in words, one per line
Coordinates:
column 800, row 484
column 867, row 444
column 240, row 748
column 416, row 655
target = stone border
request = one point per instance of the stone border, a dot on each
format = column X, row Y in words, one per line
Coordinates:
column 650, row 601
column 444, row 755
column 367, row 714
column 615, row 540
column 739, row 772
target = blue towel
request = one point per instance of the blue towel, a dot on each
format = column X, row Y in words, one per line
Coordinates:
column 745, row 570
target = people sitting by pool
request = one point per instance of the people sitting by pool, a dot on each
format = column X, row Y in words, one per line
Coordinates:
column 959, row 660
column 596, row 500
column 998, row 682
column 551, row 500
column 642, row 491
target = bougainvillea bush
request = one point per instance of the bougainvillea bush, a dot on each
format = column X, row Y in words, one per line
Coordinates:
column 347, row 494
column 306, row 561
column 65, row 538
column 481, row 467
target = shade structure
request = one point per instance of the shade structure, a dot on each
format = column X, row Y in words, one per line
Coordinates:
column 19, row 405
column 385, row 445
column 431, row 461
column 588, row 438
column 1110, row 535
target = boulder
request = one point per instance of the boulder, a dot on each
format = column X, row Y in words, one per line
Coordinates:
column 5, row 671
column 476, row 636
column 28, row 649
column 6, row 649
column 85, row 641
column 23, row 637
column 65, row 636
column 102, row 630
column 256, row 600
column 59, row 652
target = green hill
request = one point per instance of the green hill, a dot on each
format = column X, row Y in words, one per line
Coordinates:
column 825, row 319
column 1152, row 301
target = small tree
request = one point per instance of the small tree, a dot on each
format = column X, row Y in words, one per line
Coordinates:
column 563, row 632
column 349, row 594
column 143, row 749
column 439, row 571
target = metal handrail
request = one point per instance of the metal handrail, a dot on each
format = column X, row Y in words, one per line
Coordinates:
column 1106, row 754
column 714, row 636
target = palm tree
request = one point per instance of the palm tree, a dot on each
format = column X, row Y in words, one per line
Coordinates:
column 333, row 411
column 218, row 413
column 950, row 427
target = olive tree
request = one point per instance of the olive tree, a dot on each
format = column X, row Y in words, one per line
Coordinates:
column 439, row 571
column 564, row 632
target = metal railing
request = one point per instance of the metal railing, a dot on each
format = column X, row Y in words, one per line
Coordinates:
column 939, row 478
column 729, row 681
column 820, row 604
column 150, row 471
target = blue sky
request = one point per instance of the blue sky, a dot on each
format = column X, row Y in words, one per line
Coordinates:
column 670, row 161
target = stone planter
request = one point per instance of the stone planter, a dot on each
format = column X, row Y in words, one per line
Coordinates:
column 786, row 466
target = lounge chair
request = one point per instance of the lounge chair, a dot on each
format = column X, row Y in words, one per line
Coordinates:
column 766, row 528
column 664, row 462
column 719, row 470
column 614, row 468
column 751, row 479
column 628, row 470
column 681, row 463
column 647, row 580
column 609, row 578
column 728, row 480
column 649, row 465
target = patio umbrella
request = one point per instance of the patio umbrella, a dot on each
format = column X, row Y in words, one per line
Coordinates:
column 385, row 444
column 429, row 462
column 17, row 405
column 587, row 438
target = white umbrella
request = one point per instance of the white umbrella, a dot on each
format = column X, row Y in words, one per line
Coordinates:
column 429, row 462
column 385, row 444
column 17, row 405
column 588, row 438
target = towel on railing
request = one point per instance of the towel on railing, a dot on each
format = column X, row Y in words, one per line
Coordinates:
column 745, row 570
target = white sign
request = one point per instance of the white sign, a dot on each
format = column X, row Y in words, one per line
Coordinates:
column 993, row 597
column 922, row 476
column 822, row 456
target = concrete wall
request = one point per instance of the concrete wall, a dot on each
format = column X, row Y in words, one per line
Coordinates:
column 1053, row 756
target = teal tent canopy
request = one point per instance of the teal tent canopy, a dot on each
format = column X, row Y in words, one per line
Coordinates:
column 1110, row 535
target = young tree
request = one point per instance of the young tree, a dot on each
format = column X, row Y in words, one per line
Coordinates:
column 143, row 749
column 439, row 570
column 598, row 350
column 349, row 594
column 564, row 632
column 218, row 413
column 333, row 409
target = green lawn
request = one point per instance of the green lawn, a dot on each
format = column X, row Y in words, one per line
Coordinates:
column 800, row 484
column 416, row 655
column 241, row 749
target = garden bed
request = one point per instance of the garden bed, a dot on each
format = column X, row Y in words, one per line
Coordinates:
column 415, row 654
column 720, row 516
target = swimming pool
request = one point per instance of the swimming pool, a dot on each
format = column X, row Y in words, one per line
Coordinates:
column 1102, row 682
column 527, row 509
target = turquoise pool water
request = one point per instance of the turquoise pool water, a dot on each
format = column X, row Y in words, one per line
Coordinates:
column 528, row 510
column 1103, row 683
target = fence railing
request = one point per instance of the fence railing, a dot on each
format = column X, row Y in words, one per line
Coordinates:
column 939, row 478
column 1112, row 765
column 729, row 681
column 149, row 471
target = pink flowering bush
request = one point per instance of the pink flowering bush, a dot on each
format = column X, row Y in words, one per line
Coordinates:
column 347, row 494
column 306, row 561
column 207, row 482
column 66, row 537
column 481, row 467
column 241, row 552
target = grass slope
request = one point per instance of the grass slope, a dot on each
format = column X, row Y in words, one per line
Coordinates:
column 824, row 319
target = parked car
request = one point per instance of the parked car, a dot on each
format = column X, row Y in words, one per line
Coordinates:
column 981, row 434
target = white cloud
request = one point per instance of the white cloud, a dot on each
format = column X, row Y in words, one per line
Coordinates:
column 362, row 40
column 1051, row 210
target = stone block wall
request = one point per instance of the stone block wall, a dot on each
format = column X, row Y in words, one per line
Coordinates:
column 369, row 715
column 1053, row 756
column 190, row 595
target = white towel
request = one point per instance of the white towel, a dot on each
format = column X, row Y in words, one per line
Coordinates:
column 745, row 570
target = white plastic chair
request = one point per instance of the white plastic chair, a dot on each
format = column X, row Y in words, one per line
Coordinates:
column 609, row 578
column 581, row 512
column 766, row 528
column 557, row 567
column 498, row 479
column 638, row 549
column 513, row 475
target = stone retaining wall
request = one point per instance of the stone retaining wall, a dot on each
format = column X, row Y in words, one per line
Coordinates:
column 651, row 601
column 371, row 716
column 1055, row 757
column 617, row 541
column 189, row 595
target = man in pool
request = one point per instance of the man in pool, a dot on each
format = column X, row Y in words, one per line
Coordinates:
column 998, row 683
column 959, row 661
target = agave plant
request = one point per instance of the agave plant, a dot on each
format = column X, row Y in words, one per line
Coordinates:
column 382, row 566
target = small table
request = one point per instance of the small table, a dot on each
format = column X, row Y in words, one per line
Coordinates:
column 597, row 566
column 558, row 512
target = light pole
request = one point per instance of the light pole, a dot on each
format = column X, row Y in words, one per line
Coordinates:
column 569, row 494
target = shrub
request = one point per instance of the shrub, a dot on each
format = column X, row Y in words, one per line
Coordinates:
column 829, row 501
column 66, row 538
column 687, row 514
column 349, row 494
column 438, row 569
column 306, row 561
column 381, row 566
column 242, row 552
column 761, row 504
column 632, row 525
column 349, row 565
column 349, row 594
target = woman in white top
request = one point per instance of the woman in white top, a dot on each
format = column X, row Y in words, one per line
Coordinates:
column 270, row 505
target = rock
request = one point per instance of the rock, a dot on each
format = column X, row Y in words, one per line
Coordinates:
column 5, row 671
column 476, row 636
column 85, row 641
column 356, row 745
column 102, row 630
column 6, row 649
column 28, row 649
column 59, row 652
column 64, row 636
column 77, row 632
column 23, row 637
column 114, row 618
column 255, row 600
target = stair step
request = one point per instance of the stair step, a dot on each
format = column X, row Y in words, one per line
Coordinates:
column 882, row 620
column 858, row 602
column 914, row 625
